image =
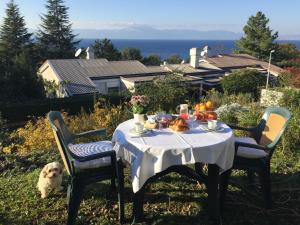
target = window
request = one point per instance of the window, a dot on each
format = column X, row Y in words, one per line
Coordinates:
column 113, row 90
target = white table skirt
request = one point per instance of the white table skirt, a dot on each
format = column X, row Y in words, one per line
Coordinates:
column 161, row 149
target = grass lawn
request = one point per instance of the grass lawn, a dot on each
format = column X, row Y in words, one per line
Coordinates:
column 171, row 200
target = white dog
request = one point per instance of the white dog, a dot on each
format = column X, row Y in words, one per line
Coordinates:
column 50, row 179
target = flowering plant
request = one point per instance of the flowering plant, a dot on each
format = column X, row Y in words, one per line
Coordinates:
column 228, row 112
column 139, row 104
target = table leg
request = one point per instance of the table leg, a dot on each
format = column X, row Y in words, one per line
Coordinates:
column 223, row 187
column 138, row 206
column 199, row 168
column 213, row 194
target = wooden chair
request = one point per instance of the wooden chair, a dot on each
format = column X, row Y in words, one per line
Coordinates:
column 253, row 154
column 86, row 163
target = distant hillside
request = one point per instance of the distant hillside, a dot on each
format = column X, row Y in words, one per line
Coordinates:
column 148, row 32
column 145, row 32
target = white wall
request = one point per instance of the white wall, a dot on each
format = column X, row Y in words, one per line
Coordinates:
column 128, row 85
column 48, row 74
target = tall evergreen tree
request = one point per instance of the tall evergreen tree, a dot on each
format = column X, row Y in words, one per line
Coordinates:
column 55, row 36
column 14, row 37
column 105, row 49
column 259, row 39
column 131, row 54
column 18, row 79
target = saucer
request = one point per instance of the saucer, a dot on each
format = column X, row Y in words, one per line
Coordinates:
column 218, row 128
column 134, row 133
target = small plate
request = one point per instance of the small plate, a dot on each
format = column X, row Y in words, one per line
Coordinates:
column 133, row 132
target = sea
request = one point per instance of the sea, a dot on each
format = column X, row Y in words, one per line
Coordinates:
column 165, row 48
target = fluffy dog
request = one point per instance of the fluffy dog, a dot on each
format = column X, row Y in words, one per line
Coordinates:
column 50, row 179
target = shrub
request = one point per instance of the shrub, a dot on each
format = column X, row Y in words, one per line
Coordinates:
column 291, row 101
column 249, row 117
column 37, row 135
column 20, row 111
column 152, row 60
column 174, row 59
column 3, row 132
column 228, row 113
column 291, row 140
column 164, row 93
column 290, row 78
column 223, row 98
column 34, row 136
column 243, row 81
column 109, row 117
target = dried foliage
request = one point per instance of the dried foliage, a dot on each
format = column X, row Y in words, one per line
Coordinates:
column 37, row 134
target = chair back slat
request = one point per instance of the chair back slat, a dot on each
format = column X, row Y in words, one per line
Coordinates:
column 62, row 137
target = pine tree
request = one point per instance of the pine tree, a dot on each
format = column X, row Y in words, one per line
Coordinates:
column 258, row 40
column 18, row 79
column 55, row 36
column 14, row 37
column 105, row 49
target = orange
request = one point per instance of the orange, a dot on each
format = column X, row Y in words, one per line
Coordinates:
column 209, row 105
column 197, row 107
column 202, row 107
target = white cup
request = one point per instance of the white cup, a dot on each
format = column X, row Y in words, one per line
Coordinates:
column 212, row 124
column 138, row 127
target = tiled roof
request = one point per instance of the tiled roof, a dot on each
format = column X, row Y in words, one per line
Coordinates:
column 186, row 68
column 240, row 61
column 79, row 73
column 142, row 78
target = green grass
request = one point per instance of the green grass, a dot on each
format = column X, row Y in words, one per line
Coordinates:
column 171, row 200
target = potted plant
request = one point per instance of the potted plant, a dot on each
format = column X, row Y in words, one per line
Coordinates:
column 139, row 107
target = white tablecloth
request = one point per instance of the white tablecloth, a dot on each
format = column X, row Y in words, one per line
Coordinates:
column 163, row 148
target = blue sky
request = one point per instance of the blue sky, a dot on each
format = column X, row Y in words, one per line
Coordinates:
column 230, row 15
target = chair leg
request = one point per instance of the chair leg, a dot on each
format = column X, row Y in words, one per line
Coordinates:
column 250, row 175
column 120, row 177
column 224, row 187
column 265, row 182
column 75, row 196
column 113, row 184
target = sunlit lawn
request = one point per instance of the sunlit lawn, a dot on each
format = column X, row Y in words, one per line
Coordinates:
column 172, row 200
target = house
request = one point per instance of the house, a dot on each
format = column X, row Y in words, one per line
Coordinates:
column 240, row 61
column 86, row 76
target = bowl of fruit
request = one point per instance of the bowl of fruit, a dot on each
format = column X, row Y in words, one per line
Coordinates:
column 205, row 111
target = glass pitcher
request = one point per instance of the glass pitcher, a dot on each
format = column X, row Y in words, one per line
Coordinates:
column 183, row 110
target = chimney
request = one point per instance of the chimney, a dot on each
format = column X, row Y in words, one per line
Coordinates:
column 90, row 53
column 194, row 57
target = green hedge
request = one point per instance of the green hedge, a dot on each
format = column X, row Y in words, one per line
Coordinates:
column 15, row 112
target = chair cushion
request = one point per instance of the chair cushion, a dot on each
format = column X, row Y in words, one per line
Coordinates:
column 246, row 152
column 273, row 126
column 88, row 149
